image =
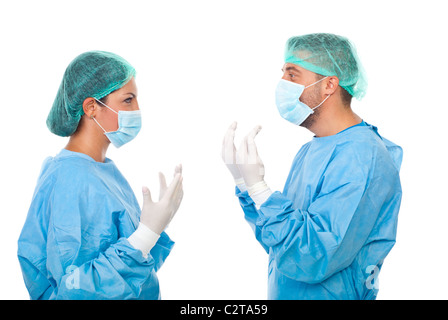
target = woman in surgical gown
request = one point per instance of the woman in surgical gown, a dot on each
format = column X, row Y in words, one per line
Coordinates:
column 76, row 240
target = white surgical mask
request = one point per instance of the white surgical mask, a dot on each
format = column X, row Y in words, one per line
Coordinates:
column 129, row 125
column 288, row 104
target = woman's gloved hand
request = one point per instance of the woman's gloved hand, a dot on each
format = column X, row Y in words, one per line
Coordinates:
column 157, row 215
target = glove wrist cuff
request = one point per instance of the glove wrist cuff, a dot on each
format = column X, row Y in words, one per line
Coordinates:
column 257, row 188
column 239, row 181
column 143, row 239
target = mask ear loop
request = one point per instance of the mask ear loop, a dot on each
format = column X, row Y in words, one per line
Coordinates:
column 93, row 118
column 321, row 102
column 316, row 82
column 325, row 98
column 110, row 107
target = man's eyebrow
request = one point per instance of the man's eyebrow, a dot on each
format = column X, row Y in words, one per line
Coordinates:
column 292, row 68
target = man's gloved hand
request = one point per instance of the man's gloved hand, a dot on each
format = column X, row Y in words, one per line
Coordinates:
column 229, row 153
column 245, row 165
column 249, row 162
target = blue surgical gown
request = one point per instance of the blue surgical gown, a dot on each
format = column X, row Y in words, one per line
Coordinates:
column 74, row 244
column 329, row 231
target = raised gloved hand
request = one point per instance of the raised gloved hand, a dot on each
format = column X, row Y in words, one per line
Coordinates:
column 157, row 215
column 229, row 153
column 249, row 162
column 245, row 165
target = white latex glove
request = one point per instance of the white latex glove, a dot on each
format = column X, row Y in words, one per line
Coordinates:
column 229, row 153
column 157, row 215
column 248, row 161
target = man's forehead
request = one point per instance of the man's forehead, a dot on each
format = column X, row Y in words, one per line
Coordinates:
column 291, row 66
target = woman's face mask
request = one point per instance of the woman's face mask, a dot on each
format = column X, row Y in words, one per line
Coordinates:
column 129, row 125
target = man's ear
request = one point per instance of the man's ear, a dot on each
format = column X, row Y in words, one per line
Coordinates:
column 331, row 84
column 89, row 107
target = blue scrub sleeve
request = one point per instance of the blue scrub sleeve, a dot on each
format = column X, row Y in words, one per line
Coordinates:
column 161, row 250
column 117, row 273
column 250, row 214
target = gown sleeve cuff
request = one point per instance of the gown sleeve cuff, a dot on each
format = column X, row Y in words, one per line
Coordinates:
column 241, row 184
column 261, row 196
column 143, row 239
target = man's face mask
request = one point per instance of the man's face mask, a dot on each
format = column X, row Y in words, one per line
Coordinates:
column 288, row 104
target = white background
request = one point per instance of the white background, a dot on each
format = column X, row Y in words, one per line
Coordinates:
column 200, row 66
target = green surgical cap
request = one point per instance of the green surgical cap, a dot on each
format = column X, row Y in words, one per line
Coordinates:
column 329, row 55
column 91, row 74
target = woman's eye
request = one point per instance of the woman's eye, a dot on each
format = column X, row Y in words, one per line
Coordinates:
column 291, row 75
column 128, row 100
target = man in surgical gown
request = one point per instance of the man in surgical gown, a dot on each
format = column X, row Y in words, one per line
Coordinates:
column 329, row 231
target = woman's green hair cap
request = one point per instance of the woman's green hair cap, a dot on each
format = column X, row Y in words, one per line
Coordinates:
column 91, row 74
